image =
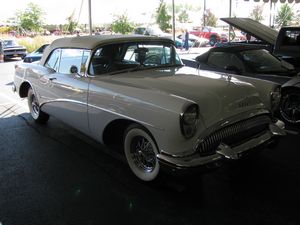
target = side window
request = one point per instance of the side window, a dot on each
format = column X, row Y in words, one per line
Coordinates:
column 218, row 59
column 223, row 59
column 53, row 60
column 69, row 58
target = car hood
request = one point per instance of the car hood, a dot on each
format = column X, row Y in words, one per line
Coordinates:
column 34, row 54
column 13, row 47
column 218, row 96
column 254, row 28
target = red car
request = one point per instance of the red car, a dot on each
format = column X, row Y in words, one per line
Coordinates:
column 212, row 36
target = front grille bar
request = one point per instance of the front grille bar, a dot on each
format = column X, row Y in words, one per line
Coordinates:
column 249, row 127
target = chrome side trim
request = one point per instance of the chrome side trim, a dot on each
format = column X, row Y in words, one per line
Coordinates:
column 103, row 109
column 126, row 117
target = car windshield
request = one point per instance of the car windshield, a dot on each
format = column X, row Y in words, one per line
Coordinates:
column 8, row 43
column 260, row 60
column 133, row 56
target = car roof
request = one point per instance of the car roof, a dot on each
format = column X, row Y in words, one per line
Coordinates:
column 227, row 48
column 235, row 48
column 254, row 28
column 92, row 41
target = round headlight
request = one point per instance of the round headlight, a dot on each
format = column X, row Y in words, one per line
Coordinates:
column 188, row 121
column 190, row 116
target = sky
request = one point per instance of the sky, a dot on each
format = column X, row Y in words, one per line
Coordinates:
column 138, row 11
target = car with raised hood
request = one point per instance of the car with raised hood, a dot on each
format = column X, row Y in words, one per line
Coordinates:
column 133, row 91
column 284, row 43
column 255, row 61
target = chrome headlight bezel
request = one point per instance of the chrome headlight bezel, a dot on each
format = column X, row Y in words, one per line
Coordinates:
column 275, row 98
column 189, row 120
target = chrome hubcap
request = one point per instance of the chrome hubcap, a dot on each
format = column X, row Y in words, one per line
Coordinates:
column 143, row 154
column 35, row 109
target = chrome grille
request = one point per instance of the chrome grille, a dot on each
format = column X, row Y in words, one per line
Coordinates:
column 233, row 134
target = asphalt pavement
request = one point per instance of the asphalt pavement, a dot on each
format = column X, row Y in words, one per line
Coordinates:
column 52, row 174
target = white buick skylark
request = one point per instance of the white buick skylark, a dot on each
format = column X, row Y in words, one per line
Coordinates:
column 134, row 91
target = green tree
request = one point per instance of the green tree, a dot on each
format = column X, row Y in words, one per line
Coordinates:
column 163, row 19
column 31, row 18
column 284, row 16
column 210, row 19
column 122, row 24
column 72, row 24
column 257, row 13
column 183, row 17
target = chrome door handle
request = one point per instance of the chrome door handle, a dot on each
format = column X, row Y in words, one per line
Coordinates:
column 52, row 78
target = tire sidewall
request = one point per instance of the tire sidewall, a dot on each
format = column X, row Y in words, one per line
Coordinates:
column 129, row 136
column 30, row 97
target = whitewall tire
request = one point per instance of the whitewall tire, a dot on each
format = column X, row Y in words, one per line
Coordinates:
column 141, row 151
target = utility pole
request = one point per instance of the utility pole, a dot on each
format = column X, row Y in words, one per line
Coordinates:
column 230, row 4
column 173, row 15
column 204, row 13
column 90, row 17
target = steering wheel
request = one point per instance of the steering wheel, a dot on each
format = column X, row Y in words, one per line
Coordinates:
column 152, row 59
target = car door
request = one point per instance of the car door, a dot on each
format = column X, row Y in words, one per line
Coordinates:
column 65, row 90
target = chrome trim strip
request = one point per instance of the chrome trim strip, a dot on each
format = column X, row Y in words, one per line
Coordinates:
column 103, row 109
column 126, row 117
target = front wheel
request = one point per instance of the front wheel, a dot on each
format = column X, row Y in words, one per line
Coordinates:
column 140, row 151
column 34, row 108
column 290, row 106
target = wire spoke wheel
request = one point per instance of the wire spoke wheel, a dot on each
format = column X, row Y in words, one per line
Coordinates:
column 290, row 107
column 141, row 151
column 34, row 108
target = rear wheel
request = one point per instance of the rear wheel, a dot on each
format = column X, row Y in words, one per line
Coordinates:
column 34, row 107
column 290, row 106
column 140, row 151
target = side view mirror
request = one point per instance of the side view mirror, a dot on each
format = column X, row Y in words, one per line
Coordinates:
column 233, row 68
column 74, row 69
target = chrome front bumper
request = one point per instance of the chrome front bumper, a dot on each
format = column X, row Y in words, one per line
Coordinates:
column 224, row 151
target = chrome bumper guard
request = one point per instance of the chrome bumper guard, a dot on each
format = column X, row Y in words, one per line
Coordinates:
column 223, row 151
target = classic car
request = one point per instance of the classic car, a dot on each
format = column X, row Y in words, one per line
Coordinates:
column 36, row 55
column 255, row 61
column 11, row 49
column 284, row 43
column 133, row 91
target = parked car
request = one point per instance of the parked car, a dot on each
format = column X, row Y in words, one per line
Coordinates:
column 180, row 44
column 195, row 40
column 36, row 55
column 257, row 62
column 133, row 91
column 284, row 43
column 210, row 34
column 11, row 49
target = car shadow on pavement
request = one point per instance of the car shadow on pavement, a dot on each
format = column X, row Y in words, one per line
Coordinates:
column 53, row 174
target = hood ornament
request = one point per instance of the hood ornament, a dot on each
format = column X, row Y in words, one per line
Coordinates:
column 229, row 76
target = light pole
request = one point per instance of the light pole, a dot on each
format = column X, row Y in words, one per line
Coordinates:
column 90, row 17
column 173, row 15
column 204, row 13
